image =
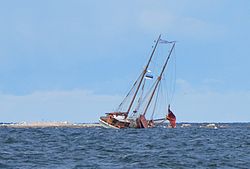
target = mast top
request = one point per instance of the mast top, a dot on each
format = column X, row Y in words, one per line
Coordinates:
column 142, row 75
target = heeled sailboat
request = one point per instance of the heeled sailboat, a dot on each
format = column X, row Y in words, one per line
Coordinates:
column 142, row 99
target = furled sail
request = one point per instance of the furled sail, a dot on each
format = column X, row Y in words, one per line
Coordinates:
column 171, row 118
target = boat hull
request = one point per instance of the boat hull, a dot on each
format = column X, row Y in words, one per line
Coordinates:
column 114, row 120
column 111, row 122
column 107, row 125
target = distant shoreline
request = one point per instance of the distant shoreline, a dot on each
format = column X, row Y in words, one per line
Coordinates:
column 49, row 124
column 88, row 125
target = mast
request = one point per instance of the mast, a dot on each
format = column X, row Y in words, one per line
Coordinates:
column 159, row 79
column 142, row 75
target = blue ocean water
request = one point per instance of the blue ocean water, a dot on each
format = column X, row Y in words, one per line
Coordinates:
column 188, row 147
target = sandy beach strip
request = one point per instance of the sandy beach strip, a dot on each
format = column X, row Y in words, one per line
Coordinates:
column 49, row 124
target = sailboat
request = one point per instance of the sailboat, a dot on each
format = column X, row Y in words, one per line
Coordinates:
column 138, row 103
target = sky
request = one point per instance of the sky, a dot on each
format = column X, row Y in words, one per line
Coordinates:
column 75, row 60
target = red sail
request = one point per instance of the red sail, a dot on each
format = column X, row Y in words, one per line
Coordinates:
column 141, row 122
column 171, row 117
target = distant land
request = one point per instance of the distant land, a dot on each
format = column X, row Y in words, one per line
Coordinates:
column 214, row 125
column 49, row 124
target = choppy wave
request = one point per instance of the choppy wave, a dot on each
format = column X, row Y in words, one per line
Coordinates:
column 183, row 147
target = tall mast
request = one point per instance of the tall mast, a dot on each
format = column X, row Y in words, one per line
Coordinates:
column 143, row 74
column 159, row 79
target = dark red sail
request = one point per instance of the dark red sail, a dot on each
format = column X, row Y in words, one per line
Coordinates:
column 141, row 122
column 171, row 117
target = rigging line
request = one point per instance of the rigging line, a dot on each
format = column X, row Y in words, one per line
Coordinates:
column 163, row 93
column 170, row 87
column 166, row 94
column 126, row 97
column 143, row 73
column 156, row 99
column 144, row 98
column 164, row 97
column 174, row 78
column 140, row 98
column 149, row 92
column 165, row 90
column 172, row 82
column 159, row 79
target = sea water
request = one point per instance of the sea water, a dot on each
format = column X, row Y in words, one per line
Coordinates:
column 195, row 146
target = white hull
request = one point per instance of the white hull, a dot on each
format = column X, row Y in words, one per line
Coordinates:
column 106, row 125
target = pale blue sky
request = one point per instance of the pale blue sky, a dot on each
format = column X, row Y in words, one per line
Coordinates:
column 74, row 60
